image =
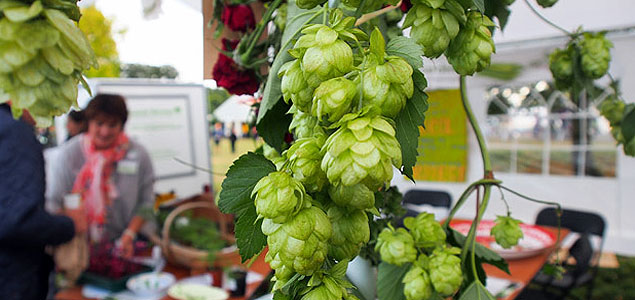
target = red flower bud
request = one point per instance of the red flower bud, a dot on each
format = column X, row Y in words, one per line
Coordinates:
column 232, row 77
column 405, row 5
column 238, row 17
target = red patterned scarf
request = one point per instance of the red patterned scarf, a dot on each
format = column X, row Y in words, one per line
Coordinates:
column 93, row 181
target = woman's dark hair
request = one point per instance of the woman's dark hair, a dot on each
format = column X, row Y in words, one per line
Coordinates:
column 77, row 115
column 110, row 105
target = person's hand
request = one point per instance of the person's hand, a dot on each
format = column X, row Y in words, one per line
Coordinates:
column 79, row 219
column 126, row 245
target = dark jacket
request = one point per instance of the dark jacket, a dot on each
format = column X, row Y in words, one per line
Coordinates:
column 25, row 227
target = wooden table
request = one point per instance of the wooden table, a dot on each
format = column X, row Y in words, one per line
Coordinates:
column 524, row 269
column 259, row 266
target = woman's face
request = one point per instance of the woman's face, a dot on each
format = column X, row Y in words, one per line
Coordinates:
column 104, row 131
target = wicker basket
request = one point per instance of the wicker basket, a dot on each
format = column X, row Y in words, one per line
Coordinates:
column 194, row 258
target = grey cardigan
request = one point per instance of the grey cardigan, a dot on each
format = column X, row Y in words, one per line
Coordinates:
column 133, row 177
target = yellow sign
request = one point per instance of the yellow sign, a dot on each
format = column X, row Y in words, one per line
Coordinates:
column 443, row 143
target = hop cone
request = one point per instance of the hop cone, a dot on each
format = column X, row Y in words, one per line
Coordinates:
column 325, row 57
column 613, row 110
column 596, row 54
column 388, row 85
column 303, row 125
column 272, row 154
column 432, row 28
column 294, row 86
column 396, row 246
column 546, row 3
column 426, row 231
column 42, row 56
column 472, row 48
column 356, row 196
column 445, row 270
column 332, row 99
column 561, row 67
column 279, row 197
column 362, row 151
column 300, row 244
column 417, row 284
column 305, row 157
column 350, row 232
column 328, row 290
column 507, row 231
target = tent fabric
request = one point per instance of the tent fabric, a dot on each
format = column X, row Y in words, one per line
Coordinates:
column 234, row 109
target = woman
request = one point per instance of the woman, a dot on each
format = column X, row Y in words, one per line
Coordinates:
column 112, row 173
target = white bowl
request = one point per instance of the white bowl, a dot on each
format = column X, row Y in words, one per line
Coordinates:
column 150, row 284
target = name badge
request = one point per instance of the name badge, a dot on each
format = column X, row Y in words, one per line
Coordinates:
column 127, row 167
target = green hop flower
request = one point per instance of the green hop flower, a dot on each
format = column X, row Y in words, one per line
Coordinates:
column 350, row 232
column 388, row 85
column 561, row 67
column 357, row 196
column 304, row 125
column 332, row 99
column 445, row 270
column 309, row 4
column 396, row 246
column 42, row 56
column 432, row 28
column 300, row 244
column 472, row 48
column 362, row 151
column 546, row 3
column 507, row 231
column 294, row 86
column 272, row 154
column 613, row 110
column 427, row 232
column 595, row 51
column 417, row 285
column 305, row 158
column 329, row 289
column 325, row 57
column 279, row 197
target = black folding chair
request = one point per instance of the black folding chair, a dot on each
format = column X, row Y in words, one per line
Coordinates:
column 582, row 273
column 424, row 197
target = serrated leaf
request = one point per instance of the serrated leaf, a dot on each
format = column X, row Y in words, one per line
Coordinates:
column 272, row 93
column 483, row 254
column 628, row 123
column 249, row 237
column 407, row 49
column 476, row 291
column 389, row 285
column 275, row 125
column 408, row 122
column 242, row 176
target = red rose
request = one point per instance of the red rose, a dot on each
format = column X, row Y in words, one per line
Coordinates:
column 238, row 17
column 405, row 5
column 230, row 76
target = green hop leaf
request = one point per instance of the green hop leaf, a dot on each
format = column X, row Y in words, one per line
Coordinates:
column 432, row 28
column 472, row 48
column 507, row 231
column 546, row 3
column 362, row 150
column 299, row 245
column 332, row 99
column 595, row 51
column 304, row 159
column 396, row 246
column 350, row 232
column 417, row 285
column 279, row 197
column 445, row 270
column 426, row 231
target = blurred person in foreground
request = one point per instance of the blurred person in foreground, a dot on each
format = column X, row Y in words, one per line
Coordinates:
column 25, row 226
column 112, row 174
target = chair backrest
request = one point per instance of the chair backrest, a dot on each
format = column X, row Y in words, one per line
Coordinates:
column 574, row 220
column 582, row 252
column 434, row 198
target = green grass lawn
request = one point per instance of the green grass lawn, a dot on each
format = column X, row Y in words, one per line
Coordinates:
column 613, row 284
column 222, row 157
